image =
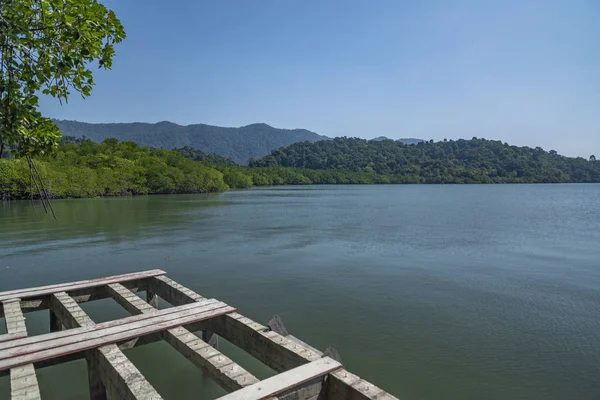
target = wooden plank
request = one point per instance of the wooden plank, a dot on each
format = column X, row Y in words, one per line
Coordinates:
column 109, row 370
column 98, row 331
column 119, row 377
column 172, row 291
column 229, row 375
column 100, row 338
column 278, row 352
column 70, row 286
column 282, row 353
column 11, row 336
column 252, row 337
column 285, row 381
column 103, row 325
column 23, row 381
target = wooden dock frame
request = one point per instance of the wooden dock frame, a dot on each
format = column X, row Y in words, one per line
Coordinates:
column 303, row 371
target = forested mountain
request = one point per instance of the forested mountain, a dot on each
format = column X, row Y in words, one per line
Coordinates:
column 238, row 144
column 460, row 161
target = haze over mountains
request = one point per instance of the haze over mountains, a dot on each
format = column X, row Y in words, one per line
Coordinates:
column 239, row 144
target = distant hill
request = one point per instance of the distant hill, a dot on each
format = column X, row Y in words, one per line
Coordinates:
column 410, row 141
column 239, row 144
column 452, row 161
column 401, row 140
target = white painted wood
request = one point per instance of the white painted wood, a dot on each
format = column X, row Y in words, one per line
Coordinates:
column 285, row 381
column 66, row 287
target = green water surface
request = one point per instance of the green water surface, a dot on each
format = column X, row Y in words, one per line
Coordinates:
column 430, row 292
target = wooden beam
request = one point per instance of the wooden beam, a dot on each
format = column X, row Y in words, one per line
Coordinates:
column 276, row 351
column 11, row 336
column 109, row 370
column 229, row 375
column 23, row 381
column 285, row 381
column 29, row 293
column 55, row 324
column 81, row 295
column 74, row 319
column 86, row 341
column 172, row 291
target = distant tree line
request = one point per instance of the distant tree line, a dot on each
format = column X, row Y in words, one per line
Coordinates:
column 82, row 168
column 448, row 161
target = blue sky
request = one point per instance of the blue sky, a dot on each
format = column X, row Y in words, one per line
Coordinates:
column 522, row 71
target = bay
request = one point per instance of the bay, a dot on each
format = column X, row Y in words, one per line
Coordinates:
column 428, row 291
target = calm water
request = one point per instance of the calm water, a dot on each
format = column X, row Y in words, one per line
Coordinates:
column 430, row 292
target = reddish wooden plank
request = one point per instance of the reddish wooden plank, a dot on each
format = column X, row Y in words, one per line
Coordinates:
column 103, row 325
column 54, row 339
column 12, row 336
column 111, row 339
column 67, row 287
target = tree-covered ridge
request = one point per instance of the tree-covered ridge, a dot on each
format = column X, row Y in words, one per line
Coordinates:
column 453, row 161
column 238, row 144
column 82, row 168
column 206, row 158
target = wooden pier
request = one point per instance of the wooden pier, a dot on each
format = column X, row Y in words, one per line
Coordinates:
column 304, row 372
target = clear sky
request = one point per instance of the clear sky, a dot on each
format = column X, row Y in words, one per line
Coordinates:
column 523, row 71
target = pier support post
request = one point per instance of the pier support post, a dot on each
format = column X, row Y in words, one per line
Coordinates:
column 210, row 338
column 97, row 389
column 55, row 324
column 152, row 299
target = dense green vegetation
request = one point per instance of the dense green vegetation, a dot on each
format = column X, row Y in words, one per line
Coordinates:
column 238, row 144
column 206, row 158
column 460, row 161
column 48, row 47
column 82, row 168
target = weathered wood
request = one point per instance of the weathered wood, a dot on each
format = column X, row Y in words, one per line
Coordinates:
column 282, row 353
column 210, row 338
column 221, row 368
column 119, row 376
column 274, row 350
column 285, row 381
column 267, row 346
column 97, row 389
column 11, row 336
column 109, row 370
column 152, row 299
column 72, row 286
column 55, row 324
column 333, row 353
column 172, row 291
column 73, row 334
column 23, row 381
column 113, row 376
column 49, row 349
column 345, row 385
